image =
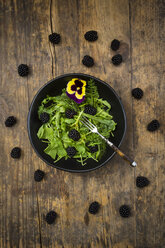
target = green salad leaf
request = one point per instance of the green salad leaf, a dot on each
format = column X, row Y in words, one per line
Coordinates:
column 55, row 131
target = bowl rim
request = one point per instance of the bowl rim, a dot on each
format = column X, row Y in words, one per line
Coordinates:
column 29, row 114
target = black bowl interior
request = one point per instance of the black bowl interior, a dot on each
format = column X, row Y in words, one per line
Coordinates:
column 53, row 88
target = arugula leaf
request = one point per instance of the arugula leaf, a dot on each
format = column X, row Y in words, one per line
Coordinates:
column 104, row 102
column 40, row 132
column 80, row 148
column 51, row 150
column 45, row 132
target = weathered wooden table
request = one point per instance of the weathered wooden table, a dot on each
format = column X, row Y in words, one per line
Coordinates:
column 24, row 30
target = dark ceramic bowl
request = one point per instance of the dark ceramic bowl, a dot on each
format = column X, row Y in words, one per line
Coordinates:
column 53, row 88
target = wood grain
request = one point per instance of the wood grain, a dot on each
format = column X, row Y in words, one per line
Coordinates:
column 22, row 41
column 147, row 73
column 24, row 30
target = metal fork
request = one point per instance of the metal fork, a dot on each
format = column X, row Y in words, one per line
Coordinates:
column 93, row 129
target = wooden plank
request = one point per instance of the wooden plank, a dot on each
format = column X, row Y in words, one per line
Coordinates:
column 22, row 41
column 70, row 194
column 147, row 27
column 24, row 30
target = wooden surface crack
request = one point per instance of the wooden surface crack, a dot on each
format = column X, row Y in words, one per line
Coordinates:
column 78, row 42
column 130, row 34
column 51, row 28
column 39, row 220
column 132, row 107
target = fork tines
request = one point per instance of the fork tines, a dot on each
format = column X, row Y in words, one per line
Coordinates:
column 88, row 124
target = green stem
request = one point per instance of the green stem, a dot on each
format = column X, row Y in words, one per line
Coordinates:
column 78, row 118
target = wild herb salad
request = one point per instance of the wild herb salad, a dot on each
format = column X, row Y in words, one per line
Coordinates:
column 62, row 130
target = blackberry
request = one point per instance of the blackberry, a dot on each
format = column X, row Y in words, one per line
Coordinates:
column 88, row 61
column 153, row 125
column 90, row 110
column 91, row 35
column 23, row 70
column 117, row 59
column 48, row 104
column 71, row 151
column 39, row 175
column 93, row 148
column 125, row 211
column 44, row 117
column 137, row 93
column 54, row 38
column 15, row 152
column 51, row 217
column 74, row 134
column 94, row 207
column 115, row 45
column 142, row 182
column 10, row 121
column 69, row 113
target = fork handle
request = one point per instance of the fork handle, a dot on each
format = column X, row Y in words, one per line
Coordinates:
column 119, row 152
